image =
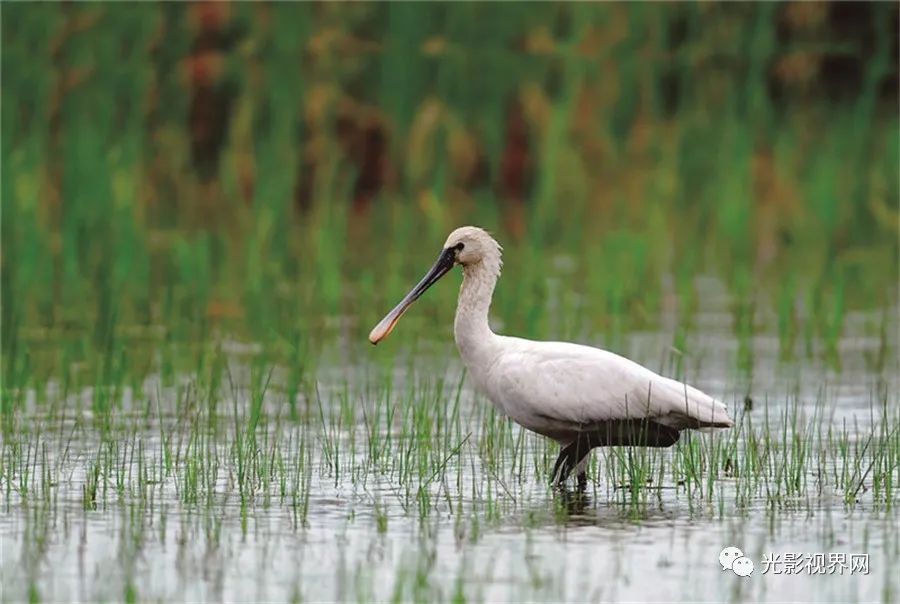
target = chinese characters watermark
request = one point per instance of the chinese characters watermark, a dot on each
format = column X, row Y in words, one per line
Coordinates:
column 795, row 563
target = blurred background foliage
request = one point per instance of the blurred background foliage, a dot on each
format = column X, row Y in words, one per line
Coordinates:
column 274, row 171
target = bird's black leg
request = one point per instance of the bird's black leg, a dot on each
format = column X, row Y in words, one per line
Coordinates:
column 561, row 468
column 582, row 453
column 582, row 481
column 569, row 458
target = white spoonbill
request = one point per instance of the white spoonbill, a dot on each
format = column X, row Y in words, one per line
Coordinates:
column 581, row 397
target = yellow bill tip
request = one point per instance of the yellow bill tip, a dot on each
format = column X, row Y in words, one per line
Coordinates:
column 384, row 327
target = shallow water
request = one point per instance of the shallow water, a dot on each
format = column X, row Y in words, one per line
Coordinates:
column 353, row 503
column 596, row 555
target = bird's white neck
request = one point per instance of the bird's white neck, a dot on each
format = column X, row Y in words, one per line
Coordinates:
column 474, row 337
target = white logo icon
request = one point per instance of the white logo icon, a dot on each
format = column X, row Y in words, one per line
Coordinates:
column 742, row 567
column 728, row 555
column 733, row 559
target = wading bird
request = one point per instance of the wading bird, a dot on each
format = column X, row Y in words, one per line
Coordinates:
column 581, row 397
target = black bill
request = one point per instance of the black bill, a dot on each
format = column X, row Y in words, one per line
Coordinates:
column 440, row 268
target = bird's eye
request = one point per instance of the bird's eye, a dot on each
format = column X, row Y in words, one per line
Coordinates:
column 459, row 246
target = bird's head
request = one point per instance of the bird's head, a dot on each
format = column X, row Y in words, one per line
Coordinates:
column 467, row 246
column 471, row 245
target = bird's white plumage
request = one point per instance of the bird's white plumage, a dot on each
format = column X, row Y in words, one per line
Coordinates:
column 557, row 389
column 548, row 386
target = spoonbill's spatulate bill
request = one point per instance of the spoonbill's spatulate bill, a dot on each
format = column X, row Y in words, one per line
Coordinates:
column 580, row 396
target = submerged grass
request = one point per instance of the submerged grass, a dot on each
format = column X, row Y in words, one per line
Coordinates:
column 408, row 442
column 432, row 446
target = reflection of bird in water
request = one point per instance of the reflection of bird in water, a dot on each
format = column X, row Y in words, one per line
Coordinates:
column 574, row 502
column 580, row 396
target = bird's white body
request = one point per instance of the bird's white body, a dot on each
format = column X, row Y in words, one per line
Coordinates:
column 558, row 388
column 580, row 396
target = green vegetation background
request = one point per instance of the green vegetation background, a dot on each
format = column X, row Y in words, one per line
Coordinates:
column 177, row 173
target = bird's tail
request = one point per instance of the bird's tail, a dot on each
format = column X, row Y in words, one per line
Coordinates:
column 692, row 408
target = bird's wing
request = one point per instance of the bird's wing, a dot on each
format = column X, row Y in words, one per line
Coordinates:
column 583, row 385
